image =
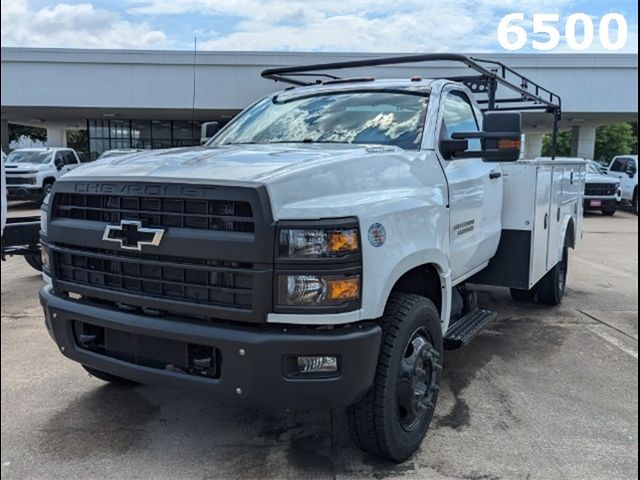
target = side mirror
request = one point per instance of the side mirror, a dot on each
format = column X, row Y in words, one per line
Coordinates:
column 207, row 131
column 500, row 139
column 59, row 163
column 631, row 171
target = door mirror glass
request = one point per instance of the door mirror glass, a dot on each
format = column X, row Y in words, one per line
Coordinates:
column 207, row 131
column 631, row 170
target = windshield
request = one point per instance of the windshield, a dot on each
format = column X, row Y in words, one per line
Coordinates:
column 27, row 156
column 371, row 117
column 593, row 169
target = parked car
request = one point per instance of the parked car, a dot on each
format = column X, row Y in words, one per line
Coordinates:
column 31, row 172
column 625, row 168
column 601, row 192
column 20, row 235
column 319, row 251
column 118, row 152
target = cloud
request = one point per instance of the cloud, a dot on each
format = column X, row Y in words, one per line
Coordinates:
column 355, row 25
column 77, row 25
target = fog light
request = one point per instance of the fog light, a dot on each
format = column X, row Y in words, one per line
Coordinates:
column 322, row 364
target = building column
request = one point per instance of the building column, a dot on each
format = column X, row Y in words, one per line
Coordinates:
column 4, row 135
column 583, row 141
column 56, row 136
column 533, row 145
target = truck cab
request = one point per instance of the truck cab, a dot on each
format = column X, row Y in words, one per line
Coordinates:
column 625, row 168
column 319, row 251
column 31, row 172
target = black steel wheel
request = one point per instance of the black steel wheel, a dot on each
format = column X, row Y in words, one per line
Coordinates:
column 417, row 380
column 392, row 419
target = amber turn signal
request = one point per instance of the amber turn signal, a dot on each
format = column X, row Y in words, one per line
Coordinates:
column 508, row 144
column 344, row 289
column 343, row 241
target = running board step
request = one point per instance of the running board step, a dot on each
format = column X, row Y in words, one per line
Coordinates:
column 463, row 330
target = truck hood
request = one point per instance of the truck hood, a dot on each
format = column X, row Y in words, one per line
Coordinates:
column 303, row 181
column 234, row 163
column 593, row 178
column 24, row 166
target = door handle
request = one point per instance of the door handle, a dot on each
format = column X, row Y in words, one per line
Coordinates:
column 495, row 175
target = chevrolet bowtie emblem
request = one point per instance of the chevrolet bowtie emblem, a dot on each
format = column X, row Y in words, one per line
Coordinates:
column 132, row 235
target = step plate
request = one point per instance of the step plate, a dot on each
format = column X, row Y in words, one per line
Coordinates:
column 463, row 330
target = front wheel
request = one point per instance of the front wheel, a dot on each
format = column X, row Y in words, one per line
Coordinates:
column 391, row 421
column 34, row 261
column 609, row 213
column 553, row 285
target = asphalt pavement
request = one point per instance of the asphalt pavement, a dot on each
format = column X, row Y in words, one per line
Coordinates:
column 543, row 393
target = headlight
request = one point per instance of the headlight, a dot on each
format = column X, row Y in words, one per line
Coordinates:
column 307, row 290
column 318, row 242
column 44, row 209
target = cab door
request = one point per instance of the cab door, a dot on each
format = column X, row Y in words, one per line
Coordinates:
column 475, row 192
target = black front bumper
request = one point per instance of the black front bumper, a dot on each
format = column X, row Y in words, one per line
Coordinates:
column 259, row 376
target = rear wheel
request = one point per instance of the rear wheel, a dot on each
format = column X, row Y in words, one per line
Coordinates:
column 391, row 421
column 107, row 377
column 551, row 288
column 635, row 201
column 34, row 261
column 523, row 295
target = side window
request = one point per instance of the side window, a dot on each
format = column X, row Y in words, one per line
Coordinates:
column 458, row 116
column 619, row 165
column 70, row 158
column 631, row 166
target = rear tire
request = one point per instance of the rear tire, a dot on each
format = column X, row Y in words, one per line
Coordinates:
column 34, row 261
column 553, row 285
column 392, row 420
column 519, row 295
column 634, row 202
column 107, row 377
column 609, row 213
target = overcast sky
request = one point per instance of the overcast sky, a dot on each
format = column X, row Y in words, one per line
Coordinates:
column 287, row 25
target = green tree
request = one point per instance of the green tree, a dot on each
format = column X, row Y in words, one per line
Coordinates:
column 36, row 134
column 79, row 141
column 564, row 144
column 612, row 140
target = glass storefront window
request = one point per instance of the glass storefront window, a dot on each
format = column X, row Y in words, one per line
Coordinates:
column 143, row 134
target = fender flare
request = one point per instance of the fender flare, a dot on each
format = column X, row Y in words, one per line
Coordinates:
column 424, row 257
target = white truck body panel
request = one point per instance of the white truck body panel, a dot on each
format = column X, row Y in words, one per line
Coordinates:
column 422, row 200
column 620, row 168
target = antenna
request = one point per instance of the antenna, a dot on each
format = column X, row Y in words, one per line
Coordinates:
column 193, row 96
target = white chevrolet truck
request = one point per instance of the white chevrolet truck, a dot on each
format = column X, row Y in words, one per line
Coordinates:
column 320, row 251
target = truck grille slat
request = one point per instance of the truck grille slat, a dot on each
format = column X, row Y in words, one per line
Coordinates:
column 205, row 284
column 234, row 216
column 600, row 189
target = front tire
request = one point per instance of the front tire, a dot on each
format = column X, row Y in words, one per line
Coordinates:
column 392, row 420
column 553, row 285
column 609, row 213
column 34, row 261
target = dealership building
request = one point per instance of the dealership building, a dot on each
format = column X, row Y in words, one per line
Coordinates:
column 158, row 99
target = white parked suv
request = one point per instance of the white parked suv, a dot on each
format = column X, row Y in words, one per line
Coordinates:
column 625, row 167
column 31, row 172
